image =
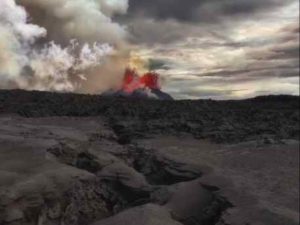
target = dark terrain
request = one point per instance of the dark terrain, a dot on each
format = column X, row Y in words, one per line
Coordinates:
column 68, row 159
column 273, row 117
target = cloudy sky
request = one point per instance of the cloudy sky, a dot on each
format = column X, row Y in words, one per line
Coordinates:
column 219, row 49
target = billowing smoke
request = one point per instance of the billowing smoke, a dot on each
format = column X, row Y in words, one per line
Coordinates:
column 15, row 40
column 66, row 46
column 62, row 69
column 84, row 20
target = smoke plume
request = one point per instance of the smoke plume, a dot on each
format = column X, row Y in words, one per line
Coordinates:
column 60, row 45
column 84, row 20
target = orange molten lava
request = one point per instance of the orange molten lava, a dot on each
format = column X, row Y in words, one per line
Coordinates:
column 132, row 81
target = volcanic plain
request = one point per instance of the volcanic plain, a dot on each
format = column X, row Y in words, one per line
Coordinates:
column 68, row 159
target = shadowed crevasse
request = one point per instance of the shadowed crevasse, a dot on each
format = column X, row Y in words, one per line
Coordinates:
column 164, row 180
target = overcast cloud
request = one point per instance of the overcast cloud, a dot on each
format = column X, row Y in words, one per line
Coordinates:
column 219, row 49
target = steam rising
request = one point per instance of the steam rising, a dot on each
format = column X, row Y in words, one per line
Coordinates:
column 84, row 20
column 33, row 56
column 57, row 68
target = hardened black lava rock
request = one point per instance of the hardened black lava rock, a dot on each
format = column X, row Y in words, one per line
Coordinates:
column 141, row 93
column 268, row 117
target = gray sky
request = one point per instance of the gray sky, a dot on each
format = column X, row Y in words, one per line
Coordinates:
column 219, row 49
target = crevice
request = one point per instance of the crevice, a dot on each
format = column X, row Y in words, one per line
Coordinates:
column 86, row 161
column 159, row 171
column 122, row 197
column 123, row 134
column 116, row 195
column 74, row 156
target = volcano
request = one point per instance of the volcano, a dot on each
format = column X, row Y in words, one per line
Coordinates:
column 136, row 86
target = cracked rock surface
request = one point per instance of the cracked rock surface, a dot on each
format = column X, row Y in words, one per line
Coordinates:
column 120, row 165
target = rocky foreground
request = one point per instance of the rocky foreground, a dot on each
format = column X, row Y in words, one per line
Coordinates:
column 88, row 160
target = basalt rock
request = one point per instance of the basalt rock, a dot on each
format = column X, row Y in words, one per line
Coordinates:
column 81, row 160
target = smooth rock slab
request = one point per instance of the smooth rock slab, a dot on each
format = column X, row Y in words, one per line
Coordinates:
column 144, row 215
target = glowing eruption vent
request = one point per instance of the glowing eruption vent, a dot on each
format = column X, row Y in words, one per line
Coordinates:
column 132, row 81
column 146, row 86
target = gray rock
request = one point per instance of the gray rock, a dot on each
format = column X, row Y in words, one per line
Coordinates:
column 144, row 215
column 127, row 176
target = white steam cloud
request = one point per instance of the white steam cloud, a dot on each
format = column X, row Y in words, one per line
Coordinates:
column 67, row 40
column 61, row 69
column 15, row 39
column 85, row 20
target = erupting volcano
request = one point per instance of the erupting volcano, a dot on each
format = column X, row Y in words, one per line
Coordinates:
column 136, row 86
column 132, row 81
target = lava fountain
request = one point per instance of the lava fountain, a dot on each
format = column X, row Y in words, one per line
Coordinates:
column 132, row 81
column 146, row 86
